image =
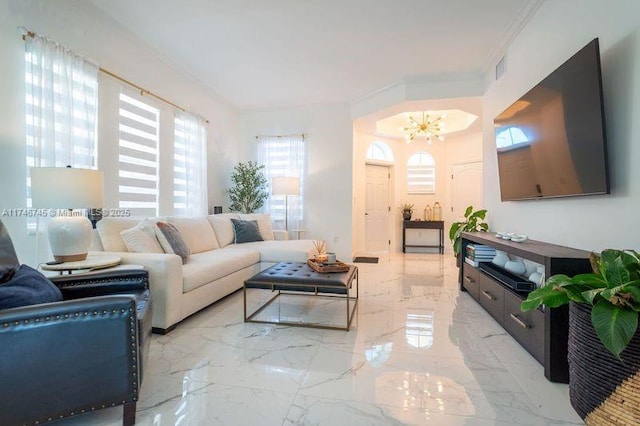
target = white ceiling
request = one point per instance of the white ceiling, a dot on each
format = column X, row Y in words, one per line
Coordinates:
column 262, row 54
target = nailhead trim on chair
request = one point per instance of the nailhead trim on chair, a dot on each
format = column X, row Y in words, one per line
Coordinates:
column 100, row 281
column 134, row 354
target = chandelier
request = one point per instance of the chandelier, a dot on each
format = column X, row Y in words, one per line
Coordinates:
column 429, row 126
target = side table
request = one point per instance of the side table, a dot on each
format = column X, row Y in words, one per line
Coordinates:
column 423, row 224
column 91, row 263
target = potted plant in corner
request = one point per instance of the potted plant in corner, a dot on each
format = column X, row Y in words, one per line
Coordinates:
column 407, row 211
column 249, row 188
column 474, row 221
column 604, row 345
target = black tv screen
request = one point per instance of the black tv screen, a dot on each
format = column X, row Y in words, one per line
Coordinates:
column 551, row 142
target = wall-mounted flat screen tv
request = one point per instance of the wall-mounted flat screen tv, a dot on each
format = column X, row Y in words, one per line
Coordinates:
column 551, row 142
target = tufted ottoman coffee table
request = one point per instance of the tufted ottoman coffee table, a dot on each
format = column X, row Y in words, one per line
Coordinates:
column 296, row 278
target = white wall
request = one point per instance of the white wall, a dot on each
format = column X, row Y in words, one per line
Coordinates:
column 556, row 32
column 329, row 131
column 90, row 33
column 454, row 149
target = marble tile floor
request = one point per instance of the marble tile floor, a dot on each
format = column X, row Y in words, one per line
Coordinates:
column 420, row 352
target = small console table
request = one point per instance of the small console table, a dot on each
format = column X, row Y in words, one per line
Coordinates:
column 423, row 224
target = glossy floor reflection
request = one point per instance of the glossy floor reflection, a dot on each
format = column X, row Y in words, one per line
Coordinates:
column 419, row 352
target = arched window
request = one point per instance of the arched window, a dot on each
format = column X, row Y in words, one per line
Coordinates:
column 380, row 151
column 421, row 174
column 510, row 136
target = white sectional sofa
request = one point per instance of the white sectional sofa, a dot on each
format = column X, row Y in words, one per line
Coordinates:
column 216, row 267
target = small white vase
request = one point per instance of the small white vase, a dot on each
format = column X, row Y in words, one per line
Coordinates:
column 515, row 266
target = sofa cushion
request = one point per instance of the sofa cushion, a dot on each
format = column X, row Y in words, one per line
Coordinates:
column 27, row 287
column 222, row 227
column 171, row 240
column 142, row 238
column 264, row 223
column 245, row 231
column 109, row 229
column 197, row 233
column 206, row 267
column 283, row 251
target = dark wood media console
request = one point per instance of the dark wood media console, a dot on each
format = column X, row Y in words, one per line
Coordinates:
column 544, row 332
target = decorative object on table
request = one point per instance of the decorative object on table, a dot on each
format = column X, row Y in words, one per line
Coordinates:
column 407, row 210
column 249, row 188
column 67, row 188
column 437, row 211
column 287, row 186
column 217, row 209
column 474, row 221
column 428, row 126
column 331, row 257
column 515, row 266
column 325, row 267
column 500, row 259
column 428, row 213
column 321, row 255
column 519, row 238
column 604, row 343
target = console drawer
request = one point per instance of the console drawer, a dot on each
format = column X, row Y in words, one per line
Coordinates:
column 470, row 280
column 491, row 296
column 526, row 327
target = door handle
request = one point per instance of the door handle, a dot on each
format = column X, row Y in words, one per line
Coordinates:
column 469, row 280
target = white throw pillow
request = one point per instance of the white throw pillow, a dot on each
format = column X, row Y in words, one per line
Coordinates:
column 142, row 238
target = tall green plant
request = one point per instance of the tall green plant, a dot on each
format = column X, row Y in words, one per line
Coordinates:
column 474, row 221
column 613, row 289
column 249, row 188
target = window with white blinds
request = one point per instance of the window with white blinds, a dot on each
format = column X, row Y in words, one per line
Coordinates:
column 61, row 98
column 139, row 127
column 284, row 156
column 421, row 174
column 189, row 165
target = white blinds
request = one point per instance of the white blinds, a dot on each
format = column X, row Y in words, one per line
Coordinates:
column 138, row 156
column 421, row 174
column 61, row 98
column 189, row 166
column 284, row 156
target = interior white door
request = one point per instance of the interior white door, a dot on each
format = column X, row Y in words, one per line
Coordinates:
column 466, row 188
column 377, row 209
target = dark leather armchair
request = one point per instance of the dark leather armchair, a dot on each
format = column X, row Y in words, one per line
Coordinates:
column 84, row 353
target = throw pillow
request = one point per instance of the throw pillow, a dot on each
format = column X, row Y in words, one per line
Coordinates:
column 171, row 240
column 245, row 231
column 28, row 287
column 142, row 238
column 9, row 263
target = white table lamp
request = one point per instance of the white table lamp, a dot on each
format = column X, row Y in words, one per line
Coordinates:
column 285, row 185
column 67, row 188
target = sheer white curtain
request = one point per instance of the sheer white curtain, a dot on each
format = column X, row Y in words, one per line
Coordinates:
column 61, row 106
column 284, row 156
column 61, row 91
column 190, row 166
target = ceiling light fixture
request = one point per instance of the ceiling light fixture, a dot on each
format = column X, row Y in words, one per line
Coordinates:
column 429, row 126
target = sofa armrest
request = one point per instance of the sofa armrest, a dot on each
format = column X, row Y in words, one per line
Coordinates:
column 165, row 282
column 280, row 235
column 77, row 355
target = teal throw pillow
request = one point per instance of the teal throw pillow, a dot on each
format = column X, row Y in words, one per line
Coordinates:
column 245, row 231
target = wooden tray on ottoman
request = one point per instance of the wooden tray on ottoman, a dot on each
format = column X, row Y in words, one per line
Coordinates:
column 327, row 267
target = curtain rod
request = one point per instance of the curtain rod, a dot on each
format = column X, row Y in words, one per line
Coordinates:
column 303, row 135
column 142, row 90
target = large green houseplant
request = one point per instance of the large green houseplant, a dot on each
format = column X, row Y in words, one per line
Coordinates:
column 249, row 188
column 613, row 289
column 474, row 221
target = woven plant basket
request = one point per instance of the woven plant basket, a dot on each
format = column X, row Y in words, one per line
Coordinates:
column 603, row 390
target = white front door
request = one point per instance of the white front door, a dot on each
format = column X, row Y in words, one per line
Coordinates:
column 377, row 209
column 466, row 188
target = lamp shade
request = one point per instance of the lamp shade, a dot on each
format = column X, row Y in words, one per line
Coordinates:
column 66, row 188
column 285, row 185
